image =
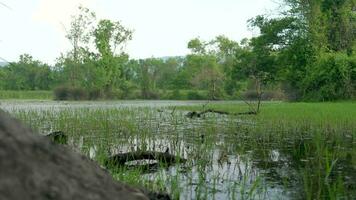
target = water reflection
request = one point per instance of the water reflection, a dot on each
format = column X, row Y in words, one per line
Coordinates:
column 222, row 164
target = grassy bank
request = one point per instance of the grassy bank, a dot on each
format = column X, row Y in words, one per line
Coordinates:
column 288, row 151
column 37, row 94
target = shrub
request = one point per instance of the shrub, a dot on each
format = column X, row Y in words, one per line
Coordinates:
column 266, row 95
column 70, row 93
column 78, row 94
column 61, row 93
column 95, row 94
column 150, row 95
column 331, row 77
column 175, row 95
column 195, row 95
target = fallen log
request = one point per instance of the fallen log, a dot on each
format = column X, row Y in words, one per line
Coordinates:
column 247, row 113
column 200, row 114
column 122, row 159
column 193, row 114
column 215, row 111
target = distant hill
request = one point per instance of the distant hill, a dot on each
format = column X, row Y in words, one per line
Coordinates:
column 3, row 64
column 165, row 58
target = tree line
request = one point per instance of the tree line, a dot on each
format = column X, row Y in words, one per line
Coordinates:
column 307, row 52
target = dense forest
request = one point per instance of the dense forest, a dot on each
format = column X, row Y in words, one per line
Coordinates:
column 305, row 52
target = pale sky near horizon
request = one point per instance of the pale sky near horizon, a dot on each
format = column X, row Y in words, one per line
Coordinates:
column 161, row 27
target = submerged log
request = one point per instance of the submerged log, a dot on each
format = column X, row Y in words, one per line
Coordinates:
column 33, row 168
column 58, row 137
column 121, row 159
column 193, row 114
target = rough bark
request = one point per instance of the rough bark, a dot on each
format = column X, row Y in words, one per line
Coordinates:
column 31, row 167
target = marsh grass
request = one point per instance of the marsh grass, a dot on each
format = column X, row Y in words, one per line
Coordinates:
column 318, row 138
column 289, row 150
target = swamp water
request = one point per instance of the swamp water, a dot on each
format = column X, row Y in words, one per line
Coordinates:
column 225, row 158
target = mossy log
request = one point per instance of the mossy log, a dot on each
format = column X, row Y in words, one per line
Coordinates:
column 58, row 137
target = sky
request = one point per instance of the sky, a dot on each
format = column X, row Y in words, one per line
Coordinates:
column 161, row 27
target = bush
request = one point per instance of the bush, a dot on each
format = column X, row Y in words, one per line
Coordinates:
column 332, row 77
column 195, row 95
column 78, row 94
column 128, row 90
column 61, row 93
column 175, row 95
column 267, row 95
column 69, row 93
column 95, row 94
column 291, row 93
column 150, row 95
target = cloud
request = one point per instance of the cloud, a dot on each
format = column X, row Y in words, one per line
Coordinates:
column 57, row 14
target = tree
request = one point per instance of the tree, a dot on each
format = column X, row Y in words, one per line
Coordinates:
column 258, row 61
column 204, row 66
column 168, row 72
column 226, row 52
column 86, row 68
column 197, row 46
column 149, row 75
column 324, row 30
column 27, row 74
column 109, row 37
column 79, row 36
column 212, row 79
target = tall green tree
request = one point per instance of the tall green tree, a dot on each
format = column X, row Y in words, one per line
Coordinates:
column 326, row 29
column 111, row 37
column 79, row 35
column 204, row 68
column 226, row 52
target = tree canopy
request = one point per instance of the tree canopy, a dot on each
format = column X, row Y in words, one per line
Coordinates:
column 307, row 52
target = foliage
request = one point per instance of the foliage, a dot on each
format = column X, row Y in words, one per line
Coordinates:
column 109, row 36
column 70, row 93
column 307, row 51
column 30, row 94
column 332, row 77
column 27, row 74
column 322, row 47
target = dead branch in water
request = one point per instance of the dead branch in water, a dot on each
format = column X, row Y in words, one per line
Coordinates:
column 200, row 114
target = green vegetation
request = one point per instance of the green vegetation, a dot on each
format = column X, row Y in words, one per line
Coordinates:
column 306, row 52
column 19, row 94
column 283, row 151
column 288, row 151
